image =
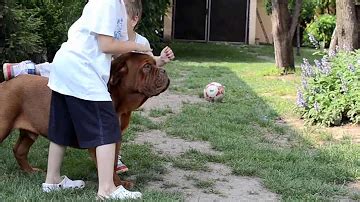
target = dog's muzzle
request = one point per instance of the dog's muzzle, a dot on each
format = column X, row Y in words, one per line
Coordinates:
column 157, row 86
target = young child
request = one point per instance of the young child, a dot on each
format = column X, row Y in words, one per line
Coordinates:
column 134, row 13
column 81, row 111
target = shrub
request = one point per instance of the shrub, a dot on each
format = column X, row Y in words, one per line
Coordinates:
column 35, row 29
column 152, row 23
column 330, row 91
column 321, row 29
column 22, row 38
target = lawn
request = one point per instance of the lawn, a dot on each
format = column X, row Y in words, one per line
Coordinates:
column 296, row 164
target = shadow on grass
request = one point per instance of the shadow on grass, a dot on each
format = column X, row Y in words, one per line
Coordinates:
column 241, row 126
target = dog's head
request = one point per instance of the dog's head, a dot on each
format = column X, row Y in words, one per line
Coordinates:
column 138, row 73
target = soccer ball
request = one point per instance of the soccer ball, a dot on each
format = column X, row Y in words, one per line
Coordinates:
column 214, row 92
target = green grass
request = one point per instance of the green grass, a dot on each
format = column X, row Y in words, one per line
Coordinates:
column 160, row 112
column 301, row 169
column 193, row 160
column 255, row 97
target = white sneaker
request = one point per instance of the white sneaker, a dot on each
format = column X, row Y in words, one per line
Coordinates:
column 121, row 193
column 66, row 183
column 12, row 70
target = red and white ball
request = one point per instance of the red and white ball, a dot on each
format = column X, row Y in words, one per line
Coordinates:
column 214, row 92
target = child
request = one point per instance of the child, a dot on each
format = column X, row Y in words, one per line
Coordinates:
column 81, row 111
column 134, row 12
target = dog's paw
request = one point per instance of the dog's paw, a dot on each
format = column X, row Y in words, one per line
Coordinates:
column 127, row 184
column 124, row 183
column 32, row 170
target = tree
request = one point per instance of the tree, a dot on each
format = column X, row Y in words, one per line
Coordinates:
column 22, row 38
column 36, row 28
column 346, row 31
column 283, row 26
column 326, row 6
column 152, row 22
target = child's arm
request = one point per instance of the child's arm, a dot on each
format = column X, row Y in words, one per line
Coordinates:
column 112, row 46
column 166, row 56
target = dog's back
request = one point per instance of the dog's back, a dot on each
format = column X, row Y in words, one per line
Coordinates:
column 24, row 104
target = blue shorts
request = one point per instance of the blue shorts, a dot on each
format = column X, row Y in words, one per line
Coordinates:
column 81, row 123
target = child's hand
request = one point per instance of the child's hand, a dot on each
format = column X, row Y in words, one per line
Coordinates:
column 167, row 55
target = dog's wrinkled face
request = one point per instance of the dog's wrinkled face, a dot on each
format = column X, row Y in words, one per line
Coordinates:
column 138, row 73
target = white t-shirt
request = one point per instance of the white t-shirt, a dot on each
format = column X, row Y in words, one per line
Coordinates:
column 141, row 40
column 80, row 68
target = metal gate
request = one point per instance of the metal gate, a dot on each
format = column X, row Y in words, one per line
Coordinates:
column 190, row 19
column 211, row 20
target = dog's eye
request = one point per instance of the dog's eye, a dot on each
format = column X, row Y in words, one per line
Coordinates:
column 146, row 67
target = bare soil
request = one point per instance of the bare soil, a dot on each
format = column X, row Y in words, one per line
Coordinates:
column 217, row 183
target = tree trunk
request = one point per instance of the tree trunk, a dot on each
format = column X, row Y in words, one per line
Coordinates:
column 298, row 40
column 334, row 42
column 284, row 54
column 284, row 26
column 347, row 26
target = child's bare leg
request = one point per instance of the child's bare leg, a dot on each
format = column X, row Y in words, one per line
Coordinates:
column 105, row 161
column 55, row 158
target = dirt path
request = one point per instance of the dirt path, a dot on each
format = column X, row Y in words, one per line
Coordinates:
column 215, row 184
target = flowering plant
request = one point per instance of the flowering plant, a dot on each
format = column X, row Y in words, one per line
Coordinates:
column 321, row 29
column 330, row 89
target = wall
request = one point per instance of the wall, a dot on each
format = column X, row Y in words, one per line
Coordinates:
column 168, row 23
column 266, row 21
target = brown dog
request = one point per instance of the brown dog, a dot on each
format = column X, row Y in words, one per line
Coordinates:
column 25, row 101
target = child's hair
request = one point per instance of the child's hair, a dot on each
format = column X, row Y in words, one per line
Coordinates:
column 134, row 8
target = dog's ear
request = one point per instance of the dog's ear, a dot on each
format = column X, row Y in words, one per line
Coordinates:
column 118, row 69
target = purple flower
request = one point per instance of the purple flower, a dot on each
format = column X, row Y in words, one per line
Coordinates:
column 307, row 69
column 325, row 64
column 300, row 101
column 313, row 40
column 304, row 82
column 318, row 64
column 332, row 53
